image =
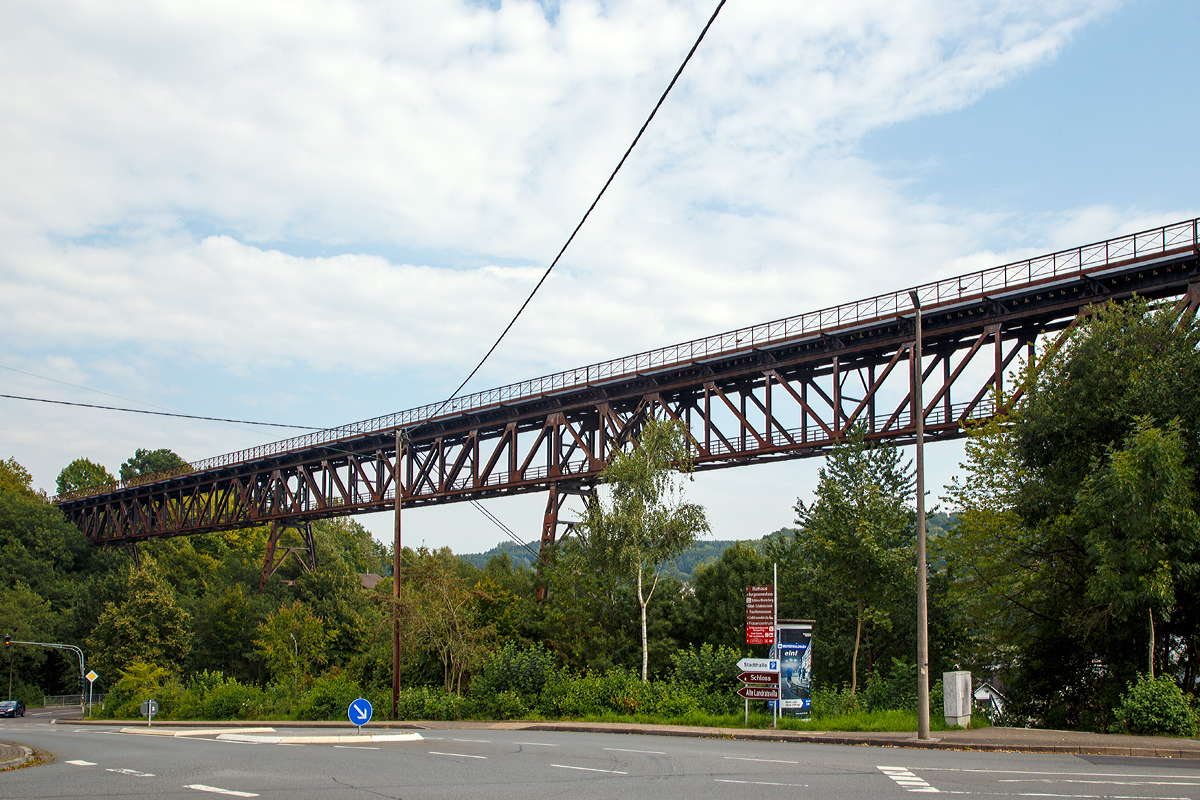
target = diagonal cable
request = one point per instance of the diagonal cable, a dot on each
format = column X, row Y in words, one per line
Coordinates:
column 587, row 213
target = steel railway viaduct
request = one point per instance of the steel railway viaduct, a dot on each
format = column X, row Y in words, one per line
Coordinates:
column 779, row 390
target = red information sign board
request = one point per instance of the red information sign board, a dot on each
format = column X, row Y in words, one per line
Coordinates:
column 759, row 692
column 760, row 615
column 760, row 634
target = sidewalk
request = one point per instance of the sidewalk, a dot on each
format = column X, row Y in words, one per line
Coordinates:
column 1025, row 740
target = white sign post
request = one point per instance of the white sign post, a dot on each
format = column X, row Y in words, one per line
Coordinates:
column 149, row 709
column 758, row 665
column 91, row 676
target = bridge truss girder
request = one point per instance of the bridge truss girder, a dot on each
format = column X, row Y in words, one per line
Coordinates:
column 792, row 400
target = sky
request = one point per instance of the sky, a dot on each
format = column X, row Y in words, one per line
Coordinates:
column 315, row 212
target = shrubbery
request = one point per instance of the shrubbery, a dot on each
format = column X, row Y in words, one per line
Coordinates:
column 1155, row 706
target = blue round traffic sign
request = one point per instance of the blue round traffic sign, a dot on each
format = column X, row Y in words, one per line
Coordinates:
column 360, row 711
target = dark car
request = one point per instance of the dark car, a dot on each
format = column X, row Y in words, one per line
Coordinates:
column 12, row 708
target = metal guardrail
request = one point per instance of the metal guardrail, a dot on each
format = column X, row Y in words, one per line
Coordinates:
column 995, row 280
column 57, row 700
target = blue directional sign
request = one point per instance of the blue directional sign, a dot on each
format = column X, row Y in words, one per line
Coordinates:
column 360, row 711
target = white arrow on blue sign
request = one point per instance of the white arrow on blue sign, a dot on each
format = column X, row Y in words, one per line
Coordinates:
column 759, row 665
column 360, row 711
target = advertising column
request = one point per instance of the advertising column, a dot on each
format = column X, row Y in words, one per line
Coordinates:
column 794, row 649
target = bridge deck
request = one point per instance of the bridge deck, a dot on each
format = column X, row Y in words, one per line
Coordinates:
column 782, row 389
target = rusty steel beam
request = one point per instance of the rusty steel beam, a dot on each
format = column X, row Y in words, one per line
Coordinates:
column 782, row 390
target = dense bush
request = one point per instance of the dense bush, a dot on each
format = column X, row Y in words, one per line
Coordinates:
column 1155, row 706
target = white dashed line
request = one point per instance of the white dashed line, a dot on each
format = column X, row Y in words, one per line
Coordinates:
column 903, row 777
column 352, row 747
column 480, row 741
column 760, row 783
column 132, row 772
column 625, row 750
column 82, row 763
column 1107, row 783
column 590, row 769
column 536, row 744
column 765, row 760
column 200, row 787
column 456, row 755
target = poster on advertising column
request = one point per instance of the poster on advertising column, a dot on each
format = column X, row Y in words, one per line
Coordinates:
column 795, row 667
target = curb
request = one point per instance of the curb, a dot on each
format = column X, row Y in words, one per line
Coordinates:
column 18, row 761
column 950, row 740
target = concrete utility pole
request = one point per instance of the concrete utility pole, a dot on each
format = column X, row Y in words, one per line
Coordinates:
column 396, row 481
column 918, row 410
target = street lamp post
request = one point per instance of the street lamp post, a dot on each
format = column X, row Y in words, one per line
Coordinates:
column 918, row 411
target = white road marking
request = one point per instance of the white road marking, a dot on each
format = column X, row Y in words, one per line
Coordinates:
column 200, row 787
column 132, row 772
column 1034, row 772
column 82, row 763
column 767, row 760
column 625, row 750
column 903, row 777
column 459, row 755
column 352, row 747
column 590, row 769
column 537, row 744
column 480, row 741
column 760, row 783
column 1111, row 783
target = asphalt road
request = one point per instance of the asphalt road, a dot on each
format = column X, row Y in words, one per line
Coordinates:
column 466, row 765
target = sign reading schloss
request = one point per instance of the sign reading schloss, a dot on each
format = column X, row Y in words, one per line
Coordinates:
column 759, row 678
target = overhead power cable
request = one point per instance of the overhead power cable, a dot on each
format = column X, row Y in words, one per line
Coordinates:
column 158, row 413
column 587, row 213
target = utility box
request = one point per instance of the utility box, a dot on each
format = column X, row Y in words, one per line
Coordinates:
column 957, row 698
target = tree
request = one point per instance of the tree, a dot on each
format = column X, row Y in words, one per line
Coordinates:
column 82, row 474
column 1142, row 531
column 1040, row 513
column 147, row 626
column 445, row 610
column 148, row 462
column 644, row 522
column 858, row 532
column 293, row 641
column 13, row 476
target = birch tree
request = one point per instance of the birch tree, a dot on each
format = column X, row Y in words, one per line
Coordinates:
column 640, row 521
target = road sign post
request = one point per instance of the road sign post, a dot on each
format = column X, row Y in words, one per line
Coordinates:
column 759, row 675
column 91, row 678
column 149, row 709
column 360, row 712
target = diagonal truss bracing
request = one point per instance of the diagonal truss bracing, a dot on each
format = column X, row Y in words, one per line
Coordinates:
column 782, row 390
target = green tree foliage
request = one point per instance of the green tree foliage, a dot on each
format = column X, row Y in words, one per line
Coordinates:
column 14, row 477
column 1142, row 532
column 858, row 532
column 82, row 473
column 1155, row 706
column 148, row 462
column 146, row 626
column 645, row 521
column 293, row 642
column 1075, row 519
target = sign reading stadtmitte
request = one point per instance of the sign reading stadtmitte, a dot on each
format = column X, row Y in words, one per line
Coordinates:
column 760, row 615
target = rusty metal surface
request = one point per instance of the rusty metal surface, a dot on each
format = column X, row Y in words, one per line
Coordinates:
column 785, row 389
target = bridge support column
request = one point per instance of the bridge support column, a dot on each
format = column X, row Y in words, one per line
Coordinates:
column 550, row 522
column 306, row 556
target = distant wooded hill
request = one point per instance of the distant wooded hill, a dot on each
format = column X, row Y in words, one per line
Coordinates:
column 703, row 553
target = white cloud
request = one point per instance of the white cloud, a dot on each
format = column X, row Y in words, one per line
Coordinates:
column 170, row 168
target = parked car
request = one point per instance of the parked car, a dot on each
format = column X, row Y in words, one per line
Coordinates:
column 12, row 708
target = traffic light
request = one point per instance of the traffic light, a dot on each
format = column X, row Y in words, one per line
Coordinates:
column 7, row 640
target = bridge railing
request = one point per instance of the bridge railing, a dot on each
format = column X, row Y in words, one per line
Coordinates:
column 1061, row 264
